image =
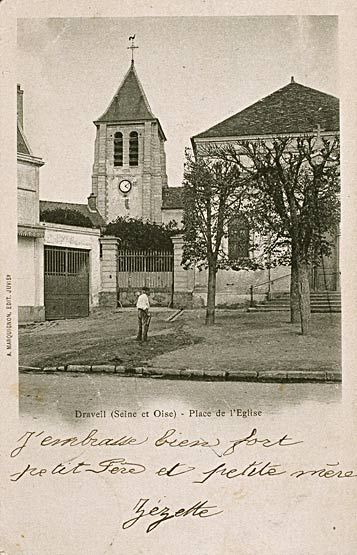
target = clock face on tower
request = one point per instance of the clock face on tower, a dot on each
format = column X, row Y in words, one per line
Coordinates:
column 125, row 186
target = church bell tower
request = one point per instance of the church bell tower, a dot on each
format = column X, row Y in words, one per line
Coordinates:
column 129, row 169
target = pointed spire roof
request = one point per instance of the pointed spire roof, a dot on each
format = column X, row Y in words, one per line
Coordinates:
column 291, row 109
column 129, row 102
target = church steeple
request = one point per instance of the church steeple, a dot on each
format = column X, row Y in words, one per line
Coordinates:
column 129, row 102
column 129, row 169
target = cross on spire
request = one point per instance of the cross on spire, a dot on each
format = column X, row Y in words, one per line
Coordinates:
column 132, row 47
column 319, row 145
column 318, row 131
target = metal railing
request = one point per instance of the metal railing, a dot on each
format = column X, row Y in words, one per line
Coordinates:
column 153, row 269
column 267, row 282
column 331, row 289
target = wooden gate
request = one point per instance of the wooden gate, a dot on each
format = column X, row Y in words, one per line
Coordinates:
column 66, row 283
column 153, row 269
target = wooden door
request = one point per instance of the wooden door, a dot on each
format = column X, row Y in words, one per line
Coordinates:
column 66, row 283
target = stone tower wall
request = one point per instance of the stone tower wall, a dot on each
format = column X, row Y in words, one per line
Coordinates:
column 145, row 198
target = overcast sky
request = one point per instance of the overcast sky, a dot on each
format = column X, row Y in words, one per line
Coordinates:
column 195, row 73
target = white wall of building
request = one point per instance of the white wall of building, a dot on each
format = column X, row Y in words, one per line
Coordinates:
column 233, row 287
column 27, row 192
column 169, row 215
column 26, row 271
column 30, row 240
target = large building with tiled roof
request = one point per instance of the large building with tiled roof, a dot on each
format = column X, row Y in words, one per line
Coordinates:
column 292, row 110
column 129, row 170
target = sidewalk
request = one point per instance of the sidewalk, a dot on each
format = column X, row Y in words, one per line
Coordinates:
column 241, row 345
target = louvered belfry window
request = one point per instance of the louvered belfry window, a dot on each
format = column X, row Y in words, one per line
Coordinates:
column 133, row 149
column 118, row 149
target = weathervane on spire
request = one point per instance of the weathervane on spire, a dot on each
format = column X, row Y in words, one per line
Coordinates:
column 132, row 47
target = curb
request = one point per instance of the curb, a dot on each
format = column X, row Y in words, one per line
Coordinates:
column 289, row 376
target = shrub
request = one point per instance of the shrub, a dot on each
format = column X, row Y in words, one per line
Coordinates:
column 65, row 216
column 137, row 234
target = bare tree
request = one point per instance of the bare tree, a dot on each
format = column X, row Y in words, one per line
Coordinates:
column 214, row 192
column 294, row 198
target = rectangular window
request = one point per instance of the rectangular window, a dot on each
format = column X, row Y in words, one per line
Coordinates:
column 238, row 238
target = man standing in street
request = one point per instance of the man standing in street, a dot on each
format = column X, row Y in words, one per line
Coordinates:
column 143, row 307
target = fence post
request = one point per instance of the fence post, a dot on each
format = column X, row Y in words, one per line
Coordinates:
column 269, row 285
column 183, row 279
column 251, row 296
column 109, row 267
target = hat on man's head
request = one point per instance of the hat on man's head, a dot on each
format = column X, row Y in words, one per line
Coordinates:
column 146, row 289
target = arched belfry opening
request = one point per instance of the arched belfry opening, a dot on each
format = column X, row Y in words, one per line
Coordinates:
column 129, row 169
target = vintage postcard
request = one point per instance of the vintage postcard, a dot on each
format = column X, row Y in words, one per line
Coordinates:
column 177, row 278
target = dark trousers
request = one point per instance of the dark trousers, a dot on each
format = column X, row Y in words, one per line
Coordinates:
column 143, row 325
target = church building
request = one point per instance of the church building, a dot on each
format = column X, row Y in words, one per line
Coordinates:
column 294, row 110
column 70, row 267
column 129, row 177
column 129, row 170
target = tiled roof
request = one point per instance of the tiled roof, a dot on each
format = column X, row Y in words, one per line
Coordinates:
column 172, row 198
column 129, row 102
column 22, row 147
column 94, row 217
column 291, row 109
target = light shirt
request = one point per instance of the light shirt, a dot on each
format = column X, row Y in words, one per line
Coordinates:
column 143, row 302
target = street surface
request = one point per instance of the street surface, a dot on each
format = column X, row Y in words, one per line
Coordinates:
column 238, row 341
column 57, row 397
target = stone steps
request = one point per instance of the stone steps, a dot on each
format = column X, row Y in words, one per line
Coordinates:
column 320, row 302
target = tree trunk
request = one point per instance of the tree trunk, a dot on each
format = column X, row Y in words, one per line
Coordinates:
column 304, row 297
column 294, row 288
column 211, row 294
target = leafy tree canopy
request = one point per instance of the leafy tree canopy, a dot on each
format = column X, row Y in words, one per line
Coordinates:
column 137, row 234
column 66, row 217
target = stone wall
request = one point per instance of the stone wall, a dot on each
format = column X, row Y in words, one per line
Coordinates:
column 156, row 297
column 183, row 279
column 172, row 214
column 30, row 279
column 108, row 270
column 111, row 295
column 145, row 197
column 232, row 288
